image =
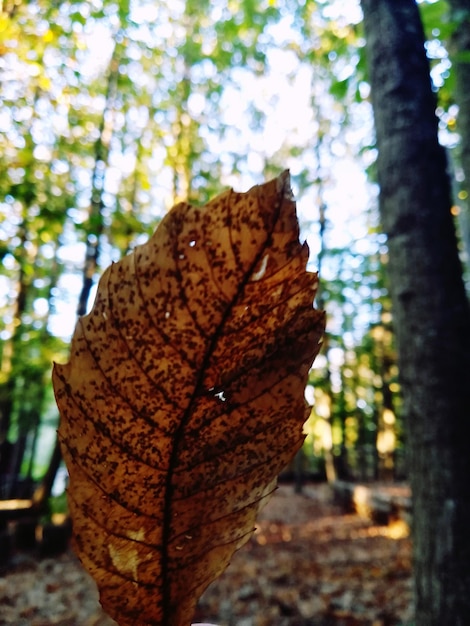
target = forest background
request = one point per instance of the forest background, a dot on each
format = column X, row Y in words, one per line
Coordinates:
column 111, row 112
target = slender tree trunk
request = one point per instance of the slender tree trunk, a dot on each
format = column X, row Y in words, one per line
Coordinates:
column 95, row 225
column 431, row 312
column 343, row 470
column 95, row 229
column 43, row 491
column 18, row 451
column 7, row 388
column 330, row 468
column 12, row 454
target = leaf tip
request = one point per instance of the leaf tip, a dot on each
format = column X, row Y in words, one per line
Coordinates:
column 284, row 186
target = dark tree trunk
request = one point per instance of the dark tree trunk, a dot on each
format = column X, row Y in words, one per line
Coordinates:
column 9, row 454
column 431, row 312
column 7, row 388
column 43, row 491
column 19, row 448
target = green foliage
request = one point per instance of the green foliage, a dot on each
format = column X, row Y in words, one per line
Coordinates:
column 113, row 111
column 435, row 19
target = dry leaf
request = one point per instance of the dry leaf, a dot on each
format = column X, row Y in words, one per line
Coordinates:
column 184, row 398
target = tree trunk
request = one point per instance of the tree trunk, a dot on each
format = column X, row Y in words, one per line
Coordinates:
column 43, row 491
column 95, row 223
column 431, row 312
column 11, row 455
column 327, row 443
column 95, row 227
column 9, row 363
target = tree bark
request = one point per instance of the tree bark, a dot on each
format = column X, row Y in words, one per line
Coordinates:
column 43, row 491
column 431, row 312
column 95, row 223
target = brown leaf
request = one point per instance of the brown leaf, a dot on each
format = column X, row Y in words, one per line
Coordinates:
column 183, row 398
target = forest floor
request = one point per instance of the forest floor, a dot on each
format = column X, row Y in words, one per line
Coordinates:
column 308, row 564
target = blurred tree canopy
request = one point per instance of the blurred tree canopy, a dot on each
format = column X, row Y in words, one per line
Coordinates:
column 112, row 111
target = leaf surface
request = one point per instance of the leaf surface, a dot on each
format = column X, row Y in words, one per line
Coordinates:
column 184, row 398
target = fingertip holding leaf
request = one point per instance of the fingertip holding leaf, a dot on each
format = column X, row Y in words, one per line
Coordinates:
column 184, row 398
